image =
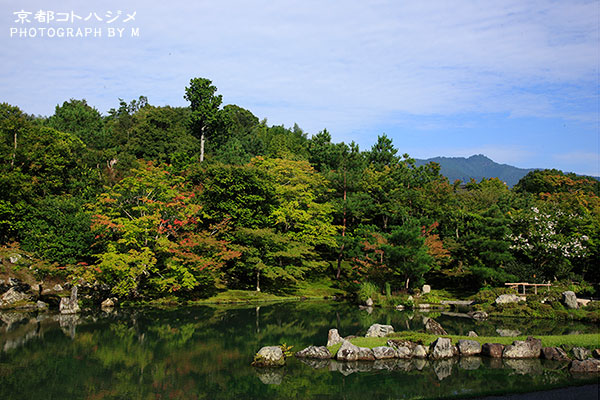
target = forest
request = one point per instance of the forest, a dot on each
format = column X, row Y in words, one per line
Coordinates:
column 157, row 201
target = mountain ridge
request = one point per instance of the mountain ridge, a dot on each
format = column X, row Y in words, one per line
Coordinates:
column 476, row 167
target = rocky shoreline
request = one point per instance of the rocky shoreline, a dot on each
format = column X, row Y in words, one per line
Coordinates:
column 406, row 355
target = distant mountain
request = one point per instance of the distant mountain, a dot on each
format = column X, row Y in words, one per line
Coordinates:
column 476, row 167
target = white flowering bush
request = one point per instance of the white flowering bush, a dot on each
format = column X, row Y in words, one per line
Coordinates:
column 548, row 239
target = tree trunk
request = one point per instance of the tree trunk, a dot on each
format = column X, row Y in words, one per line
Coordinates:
column 341, row 253
column 258, row 280
column 202, row 139
column 12, row 162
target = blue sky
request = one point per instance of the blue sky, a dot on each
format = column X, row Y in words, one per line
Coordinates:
column 517, row 81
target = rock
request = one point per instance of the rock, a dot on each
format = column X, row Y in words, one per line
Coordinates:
column 399, row 307
column 41, row 305
column 70, row 305
column 404, row 352
column 320, row 352
column 569, row 299
column 472, row 334
column 596, row 354
column 377, row 330
column 426, row 289
column 590, row 365
column 508, row 332
column 468, row 347
column 333, row 337
column 347, row 352
column 369, row 302
column 269, row 356
column 12, row 296
column 410, row 298
column 57, row 288
column 365, row 354
column 478, row 315
column 581, row 353
column 433, row 327
column 419, row 351
column 423, row 306
column 530, row 348
column 493, row 350
column 554, row 353
column 442, row 348
column 108, row 303
column 508, row 298
column 384, row 352
column 582, row 302
column 14, row 258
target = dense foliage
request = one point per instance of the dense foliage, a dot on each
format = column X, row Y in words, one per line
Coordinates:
column 157, row 201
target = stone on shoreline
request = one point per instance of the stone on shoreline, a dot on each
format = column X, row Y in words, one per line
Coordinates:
column 333, row 337
column 468, row 347
column 442, row 348
column 530, row 348
column 384, row 352
column 554, row 353
column 493, row 350
column 581, row 353
column 569, row 299
column 365, row 354
column 269, row 356
column 347, row 352
column 320, row 352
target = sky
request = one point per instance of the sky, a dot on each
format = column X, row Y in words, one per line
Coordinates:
column 517, row 81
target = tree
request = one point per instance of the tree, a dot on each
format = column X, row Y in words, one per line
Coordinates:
column 205, row 109
column 81, row 120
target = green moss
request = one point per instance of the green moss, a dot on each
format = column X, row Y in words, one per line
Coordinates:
column 588, row 340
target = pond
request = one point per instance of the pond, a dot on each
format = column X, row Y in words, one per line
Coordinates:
column 205, row 353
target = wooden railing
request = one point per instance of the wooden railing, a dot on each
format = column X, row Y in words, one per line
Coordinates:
column 525, row 284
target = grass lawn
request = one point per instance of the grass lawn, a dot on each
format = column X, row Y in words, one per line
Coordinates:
column 588, row 340
column 309, row 290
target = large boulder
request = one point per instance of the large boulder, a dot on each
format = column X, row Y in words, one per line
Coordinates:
column 442, row 348
column 419, row 351
column 403, row 352
column 365, row 354
column 70, row 305
column 433, row 327
column 269, row 356
column 581, row 353
column 591, row 365
column 554, row 353
column 333, row 337
column 320, row 352
column 493, row 350
column 530, row 348
column 508, row 298
column 12, row 296
column 384, row 352
column 347, row 352
column 569, row 299
column 469, row 347
column 377, row 330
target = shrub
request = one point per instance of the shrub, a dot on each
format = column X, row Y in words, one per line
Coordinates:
column 366, row 290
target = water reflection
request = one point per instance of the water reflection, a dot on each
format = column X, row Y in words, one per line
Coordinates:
column 205, row 352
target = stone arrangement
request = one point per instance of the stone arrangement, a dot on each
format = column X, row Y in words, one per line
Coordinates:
column 400, row 351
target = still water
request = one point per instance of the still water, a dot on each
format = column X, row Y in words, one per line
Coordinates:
column 205, row 353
